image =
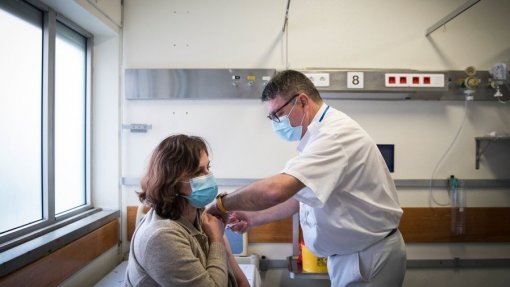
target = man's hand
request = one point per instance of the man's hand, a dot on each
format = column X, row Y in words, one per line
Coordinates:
column 240, row 221
column 213, row 210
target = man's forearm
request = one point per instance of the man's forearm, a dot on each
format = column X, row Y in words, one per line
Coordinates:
column 263, row 194
column 277, row 212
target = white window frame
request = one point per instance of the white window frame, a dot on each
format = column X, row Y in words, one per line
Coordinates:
column 50, row 221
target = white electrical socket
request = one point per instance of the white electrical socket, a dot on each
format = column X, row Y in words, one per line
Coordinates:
column 319, row 79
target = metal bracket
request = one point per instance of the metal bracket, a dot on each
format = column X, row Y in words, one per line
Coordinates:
column 137, row 128
column 450, row 16
column 488, row 140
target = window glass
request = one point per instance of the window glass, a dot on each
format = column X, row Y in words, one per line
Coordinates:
column 70, row 120
column 20, row 115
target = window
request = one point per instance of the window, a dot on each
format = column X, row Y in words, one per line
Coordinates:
column 20, row 111
column 44, row 110
column 70, row 137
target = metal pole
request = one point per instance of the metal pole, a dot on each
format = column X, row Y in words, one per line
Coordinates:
column 450, row 16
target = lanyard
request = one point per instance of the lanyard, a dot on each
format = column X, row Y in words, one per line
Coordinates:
column 323, row 114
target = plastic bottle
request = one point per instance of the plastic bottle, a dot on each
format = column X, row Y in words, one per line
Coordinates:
column 458, row 203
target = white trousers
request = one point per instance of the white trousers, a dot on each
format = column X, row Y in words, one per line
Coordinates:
column 381, row 264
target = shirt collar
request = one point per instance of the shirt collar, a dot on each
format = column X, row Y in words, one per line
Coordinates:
column 312, row 127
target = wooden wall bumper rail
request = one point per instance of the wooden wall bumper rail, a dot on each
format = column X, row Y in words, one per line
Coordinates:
column 482, row 224
column 57, row 266
column 418, row 225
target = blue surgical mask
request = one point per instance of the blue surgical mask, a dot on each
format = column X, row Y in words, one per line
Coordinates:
column 285, row 130
column 203, row 190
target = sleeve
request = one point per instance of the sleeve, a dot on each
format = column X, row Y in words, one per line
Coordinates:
column 319, row 167
column 171, row 262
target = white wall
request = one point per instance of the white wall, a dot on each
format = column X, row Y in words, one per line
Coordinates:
column 327, row 34
column 322, row 33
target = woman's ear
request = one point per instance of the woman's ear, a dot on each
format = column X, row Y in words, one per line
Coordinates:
column 183, row 188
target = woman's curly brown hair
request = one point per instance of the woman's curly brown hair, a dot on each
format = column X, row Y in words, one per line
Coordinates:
column 175, row 159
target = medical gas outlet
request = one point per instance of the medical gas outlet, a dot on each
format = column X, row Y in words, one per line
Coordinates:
column 250, row 80
column 235, row 80
column 470, row 82
column 498, row 78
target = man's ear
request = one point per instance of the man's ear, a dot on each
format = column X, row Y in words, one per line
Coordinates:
column 304, row 99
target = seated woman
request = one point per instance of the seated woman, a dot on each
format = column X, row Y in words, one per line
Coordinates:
column 177, row 244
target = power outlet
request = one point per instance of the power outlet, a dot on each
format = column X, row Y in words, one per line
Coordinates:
column 414, row 80
column 319, row 79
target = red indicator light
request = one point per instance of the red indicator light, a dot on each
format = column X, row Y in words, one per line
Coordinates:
column 392, row 80
column 416, row 80
column 426, row 80
column 403, row 80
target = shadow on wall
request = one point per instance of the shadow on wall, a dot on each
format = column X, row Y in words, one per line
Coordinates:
column 444, row 58
column 496, row 157
column 501, row 57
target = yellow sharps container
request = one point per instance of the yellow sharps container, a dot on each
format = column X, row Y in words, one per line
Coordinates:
column 312, row 263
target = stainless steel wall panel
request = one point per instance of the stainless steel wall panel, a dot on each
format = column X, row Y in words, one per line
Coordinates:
column 153, row 84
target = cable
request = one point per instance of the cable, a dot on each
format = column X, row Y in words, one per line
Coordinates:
column 285, row 22
column 287, row 47
column 469, row 97
column 285, row 30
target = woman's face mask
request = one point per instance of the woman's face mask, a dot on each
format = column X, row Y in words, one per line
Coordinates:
column 203, row 190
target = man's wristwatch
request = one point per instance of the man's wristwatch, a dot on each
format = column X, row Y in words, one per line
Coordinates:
column 219, row 202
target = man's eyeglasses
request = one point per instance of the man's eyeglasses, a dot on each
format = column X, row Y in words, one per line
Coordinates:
column 274, row 115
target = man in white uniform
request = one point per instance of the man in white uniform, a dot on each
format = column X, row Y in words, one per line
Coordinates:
column 339, row 183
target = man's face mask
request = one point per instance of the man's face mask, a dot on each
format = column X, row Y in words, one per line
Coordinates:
column 285, row 130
